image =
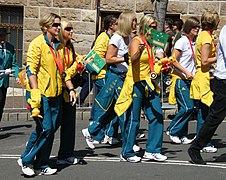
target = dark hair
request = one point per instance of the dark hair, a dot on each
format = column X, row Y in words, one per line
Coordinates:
column 169, row 22
column 190, row 23
column 179, row 23
column 108, row 21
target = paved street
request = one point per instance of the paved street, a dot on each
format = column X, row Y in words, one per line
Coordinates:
column 103, row 163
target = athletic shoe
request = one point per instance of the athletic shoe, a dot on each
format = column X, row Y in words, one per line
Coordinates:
column 140, row 135
column 185, row 140
column 209, row 149
column 133, row 159
column 195, row 156
column 154, row 156
column 89, row 139
column 19, row 162
column 46, row 171
column 167, row 133
column 175, row 139
column 96, row 142
column 28, row 170
column 136, row 148
column 113, row 141
column 122, row 158
column 70, row 160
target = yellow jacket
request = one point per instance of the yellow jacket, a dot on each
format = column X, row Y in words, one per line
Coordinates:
column 101, row 47
column 40, row 62
column 136, row 72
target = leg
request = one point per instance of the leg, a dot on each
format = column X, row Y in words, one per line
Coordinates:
column 215, row 116
column 3, row 92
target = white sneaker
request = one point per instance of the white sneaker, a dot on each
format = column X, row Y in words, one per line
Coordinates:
column 122, row 158
column 140, row 135
column 175, row 139
column 209, row 149
column 96, row 142
column 154, row 156
column 113, row 141
column 89, row 139
column 70, row 160
column 167, row 133
column 185, row 140
column 19, row 162
column 28, row 170
column 133, row 159
column 136, row 148
column 46, row 171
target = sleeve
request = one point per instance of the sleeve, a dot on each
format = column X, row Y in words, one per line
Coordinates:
column 222, row 40
column 115, row 40
column 15, row 67
column 180, row 44
column 101, row 45
column 33, row 58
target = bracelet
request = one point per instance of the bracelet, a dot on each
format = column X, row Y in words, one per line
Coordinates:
column 71, row 89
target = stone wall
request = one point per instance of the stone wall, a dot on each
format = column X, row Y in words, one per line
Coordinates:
column 82, row 14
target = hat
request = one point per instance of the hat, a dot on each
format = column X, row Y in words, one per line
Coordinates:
column 3, row 31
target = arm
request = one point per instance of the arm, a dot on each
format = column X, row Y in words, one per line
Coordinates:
column 111, row 56
column 176, row 53
column 15, row 66
column 136, row 49
column 205, row 51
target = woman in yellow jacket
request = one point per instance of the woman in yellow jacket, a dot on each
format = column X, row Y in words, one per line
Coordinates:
column 44, row 69
column 205, row 58
column 139, row 91
column 72, row 65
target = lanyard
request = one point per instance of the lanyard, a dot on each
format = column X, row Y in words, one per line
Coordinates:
column 57, row 60
column 212, row 37
column 193, row 54
column 67, row 60
column 150, row 58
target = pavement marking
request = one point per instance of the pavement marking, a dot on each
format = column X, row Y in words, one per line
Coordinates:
column 116, row 159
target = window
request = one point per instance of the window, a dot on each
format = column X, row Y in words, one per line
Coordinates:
column 12, row 19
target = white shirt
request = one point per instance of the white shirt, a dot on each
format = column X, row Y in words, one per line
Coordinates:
column 186, row 58
column 118, row 41
column 220, row 71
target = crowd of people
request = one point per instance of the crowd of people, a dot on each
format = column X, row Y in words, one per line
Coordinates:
column 125, row 87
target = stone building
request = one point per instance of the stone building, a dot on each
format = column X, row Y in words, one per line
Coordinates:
column 21, row 17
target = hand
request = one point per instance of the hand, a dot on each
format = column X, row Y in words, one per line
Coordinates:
column 18, row 80
column 73, row 97
column 189, row 75
column 141, row 47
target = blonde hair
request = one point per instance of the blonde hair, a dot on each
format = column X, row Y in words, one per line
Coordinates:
column 146, row 20
column 63, row 25
column 125, row 21
column 210, row 20
column 47, row 21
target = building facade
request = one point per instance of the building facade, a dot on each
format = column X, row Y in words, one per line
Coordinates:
column 24, row 26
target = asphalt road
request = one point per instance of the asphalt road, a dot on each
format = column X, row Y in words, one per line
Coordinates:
column 103, row 162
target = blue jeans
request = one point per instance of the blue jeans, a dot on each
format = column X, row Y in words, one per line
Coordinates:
column 179, row 124
column 41, row 140
column 153, row 111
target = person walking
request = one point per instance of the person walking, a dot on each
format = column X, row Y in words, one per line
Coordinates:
column 45, row 72
column 182, row 75
column 73, row 64
column 8, row 64
column 205, row 59
column 139, row 91
column 117, row 59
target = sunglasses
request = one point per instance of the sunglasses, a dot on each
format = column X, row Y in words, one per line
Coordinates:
column 56, row 24
column 68, row 28
column 153, row 27
column 196, row 27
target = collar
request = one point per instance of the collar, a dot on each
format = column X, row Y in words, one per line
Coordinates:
column 55, row 41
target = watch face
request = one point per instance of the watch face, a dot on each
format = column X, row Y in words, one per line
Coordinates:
column 153, row 75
